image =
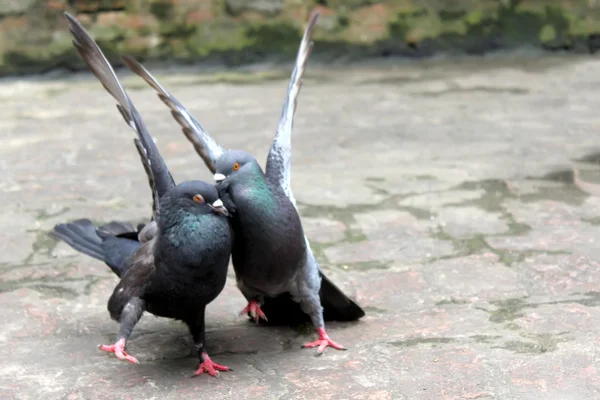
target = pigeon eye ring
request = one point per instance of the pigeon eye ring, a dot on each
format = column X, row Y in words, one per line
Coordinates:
column 236, row 166
column 199, row 199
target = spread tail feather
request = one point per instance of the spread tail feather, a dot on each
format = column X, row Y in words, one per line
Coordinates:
column 336, row 305
column 115, row 228
column 282, row 310
column 109, row 243
column 81, row 235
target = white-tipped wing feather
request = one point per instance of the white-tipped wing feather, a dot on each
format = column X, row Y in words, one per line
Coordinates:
column 279, row 158
column 205, row 146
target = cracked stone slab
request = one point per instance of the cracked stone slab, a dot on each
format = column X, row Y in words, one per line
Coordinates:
column 555, row 227
column 436, row 200
column 321, row 230
column 390, row 224
column 468, row 279
column 408, row 250
column 463, row 222
column 568, row 319
column 559, row 274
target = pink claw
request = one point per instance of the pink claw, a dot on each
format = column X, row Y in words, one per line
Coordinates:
column 254, row 309
column 210, row 367
column 119, row 350
column 323, row 342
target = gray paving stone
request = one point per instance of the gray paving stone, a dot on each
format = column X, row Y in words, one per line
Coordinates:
column 500, row 303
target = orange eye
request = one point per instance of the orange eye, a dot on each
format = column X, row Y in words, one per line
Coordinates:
column 198, row 199
column 236, row 166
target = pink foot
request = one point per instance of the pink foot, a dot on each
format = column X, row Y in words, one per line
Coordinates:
column 323, row 342
column 255, row 312
column 210, row 367
column 119, row 350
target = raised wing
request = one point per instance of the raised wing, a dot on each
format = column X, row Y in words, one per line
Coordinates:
column 278, row 160
column 205, row 146
column 146, row 163
column 160, row 177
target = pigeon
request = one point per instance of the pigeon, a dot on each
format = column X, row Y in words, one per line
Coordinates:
column 272, row 258
column 181, row 266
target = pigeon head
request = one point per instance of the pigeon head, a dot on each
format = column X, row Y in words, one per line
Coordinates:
column 231, row 163
column 199, row 196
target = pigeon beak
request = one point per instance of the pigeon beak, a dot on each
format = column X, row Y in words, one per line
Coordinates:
column 219, row 178
column 219, row 208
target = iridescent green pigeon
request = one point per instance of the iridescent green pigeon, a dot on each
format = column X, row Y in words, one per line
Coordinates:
column 275, row 268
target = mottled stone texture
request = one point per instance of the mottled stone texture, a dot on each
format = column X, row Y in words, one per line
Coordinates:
column 33, row 35
column 453, row 200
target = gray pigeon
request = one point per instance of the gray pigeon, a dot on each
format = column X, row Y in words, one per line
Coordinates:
column 272, row 258
column 182, row 265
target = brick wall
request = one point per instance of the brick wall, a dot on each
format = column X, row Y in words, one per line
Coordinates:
column 34, row 37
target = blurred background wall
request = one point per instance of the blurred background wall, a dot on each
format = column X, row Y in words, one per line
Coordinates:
column 34, row 36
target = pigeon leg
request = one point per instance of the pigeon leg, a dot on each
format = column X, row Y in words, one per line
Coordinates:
column 255, row 300
column 311, row 305
column 130, row 315
column 253, row 308
column 206, row 364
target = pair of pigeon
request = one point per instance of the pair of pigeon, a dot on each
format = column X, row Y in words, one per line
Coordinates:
column 177, row 264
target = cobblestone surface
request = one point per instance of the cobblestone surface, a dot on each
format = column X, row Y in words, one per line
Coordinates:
column 456, row 201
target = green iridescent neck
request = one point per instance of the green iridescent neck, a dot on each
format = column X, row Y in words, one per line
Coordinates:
column 257, row 190
column 187, row 227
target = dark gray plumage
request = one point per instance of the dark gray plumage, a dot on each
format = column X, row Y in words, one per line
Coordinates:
column 180, row 264
column 272, row 257
column 102, row 243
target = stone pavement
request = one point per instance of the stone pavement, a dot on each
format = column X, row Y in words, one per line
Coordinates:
column 456, row 201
